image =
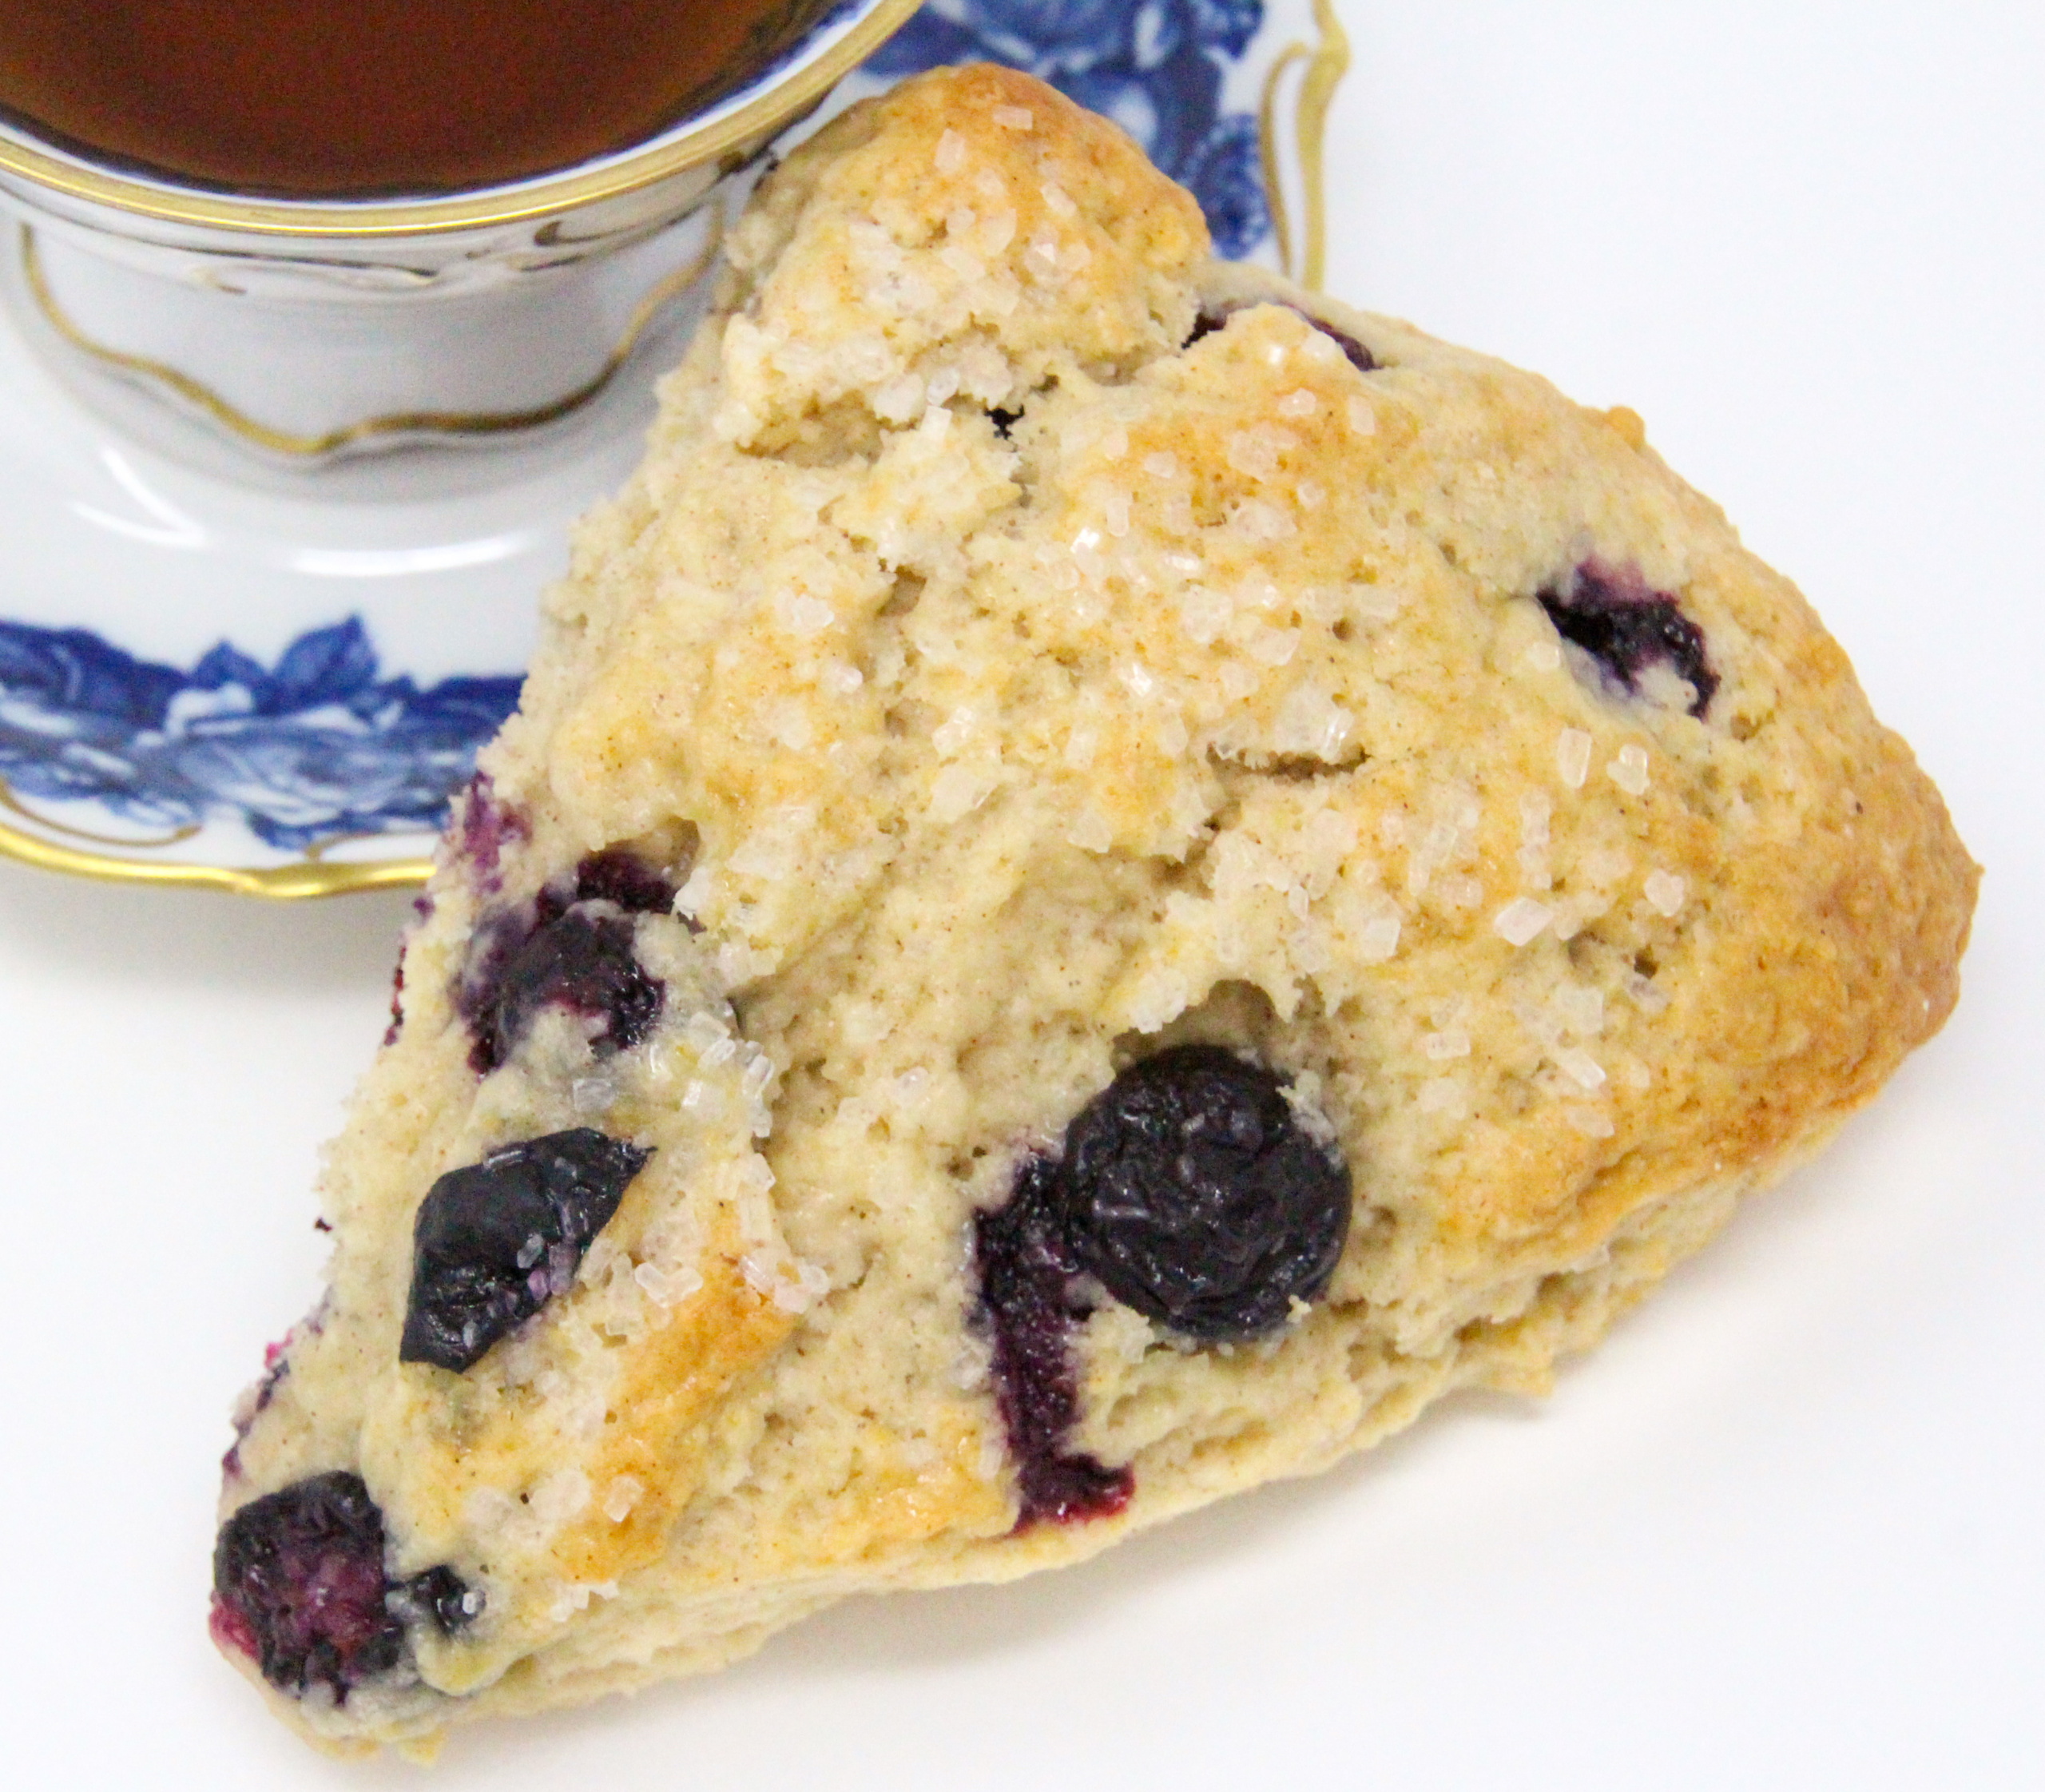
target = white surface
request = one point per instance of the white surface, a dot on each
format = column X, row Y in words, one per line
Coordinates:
column 1783, row 1531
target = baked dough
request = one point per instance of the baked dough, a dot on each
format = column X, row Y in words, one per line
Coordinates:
column 1029, row 651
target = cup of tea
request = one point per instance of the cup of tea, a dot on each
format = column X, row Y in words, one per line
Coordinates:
column 331, row 226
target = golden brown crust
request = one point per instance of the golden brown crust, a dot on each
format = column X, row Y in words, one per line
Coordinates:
column 1073, row 194
column 1213, row 691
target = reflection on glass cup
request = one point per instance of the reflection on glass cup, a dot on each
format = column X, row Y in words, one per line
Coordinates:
column 309, row 330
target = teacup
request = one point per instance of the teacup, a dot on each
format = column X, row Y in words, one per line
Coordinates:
column 306, row 331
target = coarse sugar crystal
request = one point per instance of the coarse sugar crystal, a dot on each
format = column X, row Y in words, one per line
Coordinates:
column 1580, row 1068
column 1580, row 1008
column 1237, row 680
column 1445, row 1095
column 960, row 789
column 964, row 262
column 1522, row 920
column 1666, row 892
column 1263, row 521
column 1629, row 770
column 1255, row 451
column 1311, row 724
column 809, row 615
column 900, row 400
column 1374, row 924
column 1272, row 647
column 1573, row 756
column 1646, row 994
column 956, row 734
column 1090, row 831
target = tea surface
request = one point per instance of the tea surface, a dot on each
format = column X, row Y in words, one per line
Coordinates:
column 338, row 99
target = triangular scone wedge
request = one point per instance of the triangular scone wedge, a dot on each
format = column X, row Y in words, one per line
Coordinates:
column 1110, row 877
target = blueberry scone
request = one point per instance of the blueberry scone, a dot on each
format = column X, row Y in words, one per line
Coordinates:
column 1111, row 877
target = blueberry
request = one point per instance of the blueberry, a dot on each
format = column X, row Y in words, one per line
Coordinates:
column 276, row 1366
column 1627, row 627
column 498, row 940
column 583, row 962
column 495, row 1241
column 396, row 1024
column 299, row 1583
column 561, row 951
column 1188, row 1189
column 438, row 1596
column 1004, row 421
column 423, row 908
column 618, row 875
column 488, row 827
column 1359, row 357
column 1191, row 1190
column 1029, row 1305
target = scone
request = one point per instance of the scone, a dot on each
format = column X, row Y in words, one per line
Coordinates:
column 1111, row 877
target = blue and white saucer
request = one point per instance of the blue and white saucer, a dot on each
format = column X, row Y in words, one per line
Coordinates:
column 211, row 673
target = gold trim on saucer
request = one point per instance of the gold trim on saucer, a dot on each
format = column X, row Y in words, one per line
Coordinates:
column 371, row 221
column 1326, row 64
column 15, row 806
column 309, row 878
column 182, row 387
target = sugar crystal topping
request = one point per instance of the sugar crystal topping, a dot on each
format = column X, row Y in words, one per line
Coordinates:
column 1522, row 920
column 1665, row 891
column 1629, row 770
column 1573, row 756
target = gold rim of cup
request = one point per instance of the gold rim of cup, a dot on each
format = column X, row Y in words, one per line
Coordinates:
column 614, row 177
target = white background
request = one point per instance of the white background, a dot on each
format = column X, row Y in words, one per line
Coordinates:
column 1784, row 1529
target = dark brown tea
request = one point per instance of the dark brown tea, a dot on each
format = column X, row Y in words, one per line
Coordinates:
column 353, row 99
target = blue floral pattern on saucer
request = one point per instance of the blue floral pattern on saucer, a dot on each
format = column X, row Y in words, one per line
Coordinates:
column 1157, row 69
column 318, row 747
